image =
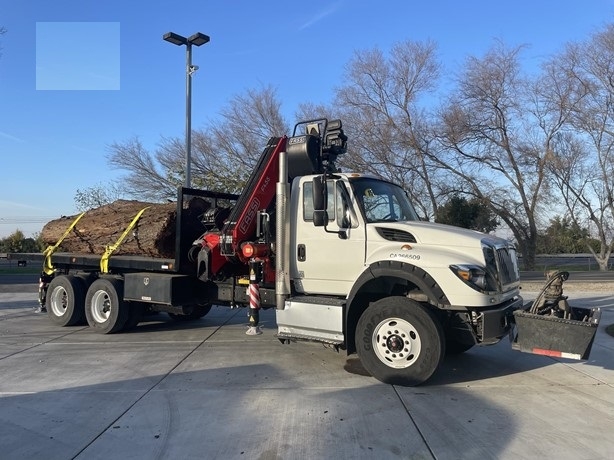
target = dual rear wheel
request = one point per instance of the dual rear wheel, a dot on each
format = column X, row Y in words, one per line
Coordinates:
column 105, row 309
column 71, row 301
column 65, row 300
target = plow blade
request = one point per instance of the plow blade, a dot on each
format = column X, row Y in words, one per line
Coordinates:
column 558, row 337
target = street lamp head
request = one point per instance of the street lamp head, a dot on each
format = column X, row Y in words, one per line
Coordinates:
column 198, row 39
column 175, row 39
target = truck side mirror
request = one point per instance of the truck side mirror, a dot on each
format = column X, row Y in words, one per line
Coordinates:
column 320, row 218
column 320, row 198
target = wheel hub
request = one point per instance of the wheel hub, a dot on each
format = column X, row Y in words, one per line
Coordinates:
column 59, row 299
column 101, row 306
column 396, row 343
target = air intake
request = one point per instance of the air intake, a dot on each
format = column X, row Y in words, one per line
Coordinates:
column 393, row 234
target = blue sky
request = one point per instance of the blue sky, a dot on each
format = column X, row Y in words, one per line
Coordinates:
column 65, row 62
column 78, row 75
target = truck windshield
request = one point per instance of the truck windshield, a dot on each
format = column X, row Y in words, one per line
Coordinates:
column 382, row 201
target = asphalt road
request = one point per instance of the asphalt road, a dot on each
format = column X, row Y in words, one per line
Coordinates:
column 207, row 390
column 18, row 278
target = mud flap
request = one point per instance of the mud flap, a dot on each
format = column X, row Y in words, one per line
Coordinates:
column 552, row 336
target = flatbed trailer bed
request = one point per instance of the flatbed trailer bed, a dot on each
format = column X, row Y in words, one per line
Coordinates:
column 86, row 262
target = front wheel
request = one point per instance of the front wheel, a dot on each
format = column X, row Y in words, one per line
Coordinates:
column 399, row 341
column 105, row 310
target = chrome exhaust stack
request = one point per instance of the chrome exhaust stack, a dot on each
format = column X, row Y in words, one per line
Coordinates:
column 282, row 231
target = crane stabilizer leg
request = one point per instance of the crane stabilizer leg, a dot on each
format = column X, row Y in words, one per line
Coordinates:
column 254, row 310
column 255, row 276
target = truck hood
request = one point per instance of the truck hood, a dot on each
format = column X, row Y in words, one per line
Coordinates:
column 435, row 234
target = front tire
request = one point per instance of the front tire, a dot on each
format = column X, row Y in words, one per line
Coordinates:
column 65, row 300
column 399, row 341
column 105, row 310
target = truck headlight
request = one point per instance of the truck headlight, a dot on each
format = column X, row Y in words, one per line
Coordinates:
column 472, row 275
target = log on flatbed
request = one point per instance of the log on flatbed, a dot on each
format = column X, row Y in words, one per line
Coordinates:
column 153, row 235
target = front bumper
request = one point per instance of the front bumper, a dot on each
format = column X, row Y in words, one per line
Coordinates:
column 492, row 325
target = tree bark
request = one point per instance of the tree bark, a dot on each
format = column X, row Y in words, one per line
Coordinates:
column 153, row 235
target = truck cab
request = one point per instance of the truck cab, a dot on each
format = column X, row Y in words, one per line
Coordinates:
column 370, row 220
column 326, row 260
column 366, row 274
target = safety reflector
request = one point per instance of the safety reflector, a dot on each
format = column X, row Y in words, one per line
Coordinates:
column 555, row 353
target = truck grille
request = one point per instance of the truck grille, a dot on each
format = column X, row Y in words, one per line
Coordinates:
column 503, row 263
column 508, row 266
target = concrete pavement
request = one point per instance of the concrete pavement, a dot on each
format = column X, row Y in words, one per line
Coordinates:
column 205, row 390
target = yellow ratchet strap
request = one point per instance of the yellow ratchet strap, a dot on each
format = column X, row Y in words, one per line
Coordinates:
column 47, row 265
column 104, row 261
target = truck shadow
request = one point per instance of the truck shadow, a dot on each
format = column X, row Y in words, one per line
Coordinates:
column 244, row 397
column 245, row 411
column 469, row 367
column 478, row 364
column 219, row 317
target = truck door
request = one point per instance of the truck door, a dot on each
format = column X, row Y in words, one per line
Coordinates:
column 327, row 261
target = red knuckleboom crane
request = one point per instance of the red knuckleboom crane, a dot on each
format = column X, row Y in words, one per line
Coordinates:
column 245, row 236
column 222, row 248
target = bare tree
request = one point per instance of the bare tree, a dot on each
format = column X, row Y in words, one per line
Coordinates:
column 583, row 158
column 578, row 175
column 389, row 132
column 497, row 143
column 96, row 196
column 150, row 177
column 223, row 152
column 228, row 149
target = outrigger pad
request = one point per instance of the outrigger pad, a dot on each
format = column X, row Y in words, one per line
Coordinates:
column 253, row 330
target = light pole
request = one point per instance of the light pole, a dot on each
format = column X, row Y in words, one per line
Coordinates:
column 197, row 39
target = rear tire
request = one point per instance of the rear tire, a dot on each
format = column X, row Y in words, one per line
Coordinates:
column 65, row 300
column 399, row 341
column 105, row 310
